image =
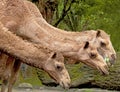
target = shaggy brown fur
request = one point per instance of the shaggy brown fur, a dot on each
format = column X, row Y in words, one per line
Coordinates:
column 31, row 54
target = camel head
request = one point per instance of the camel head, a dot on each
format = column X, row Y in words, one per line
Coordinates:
column 105, row 47
column 89, row 55
column 55, row 67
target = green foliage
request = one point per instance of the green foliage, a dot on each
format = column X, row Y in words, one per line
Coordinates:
column 89, row 14
column 32, row 77
column 92, row 14
column 112, row 81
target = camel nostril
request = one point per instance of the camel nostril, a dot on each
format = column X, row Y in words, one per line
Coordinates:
column 113, row 57
column 69, row 84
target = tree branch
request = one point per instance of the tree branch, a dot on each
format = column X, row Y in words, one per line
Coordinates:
column 64, row 12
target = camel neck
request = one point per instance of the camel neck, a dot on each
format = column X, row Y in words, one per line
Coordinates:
column 38, row 34
column 60, row 33
column 27, row 52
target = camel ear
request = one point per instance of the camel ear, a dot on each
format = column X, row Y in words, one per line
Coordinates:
column 98, row 34
column 54, row 55
column 86, row 45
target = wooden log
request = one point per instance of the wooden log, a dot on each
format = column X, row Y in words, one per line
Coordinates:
column 84, row 76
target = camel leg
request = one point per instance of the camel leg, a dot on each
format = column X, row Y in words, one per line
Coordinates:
column 14, row 75
column 3, row 59
column 7, row 73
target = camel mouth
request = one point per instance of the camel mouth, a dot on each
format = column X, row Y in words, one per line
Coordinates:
column 65, row 85
column 103, row 70
column 110, row 60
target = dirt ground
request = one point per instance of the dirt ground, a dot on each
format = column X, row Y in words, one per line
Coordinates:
column 54, row 89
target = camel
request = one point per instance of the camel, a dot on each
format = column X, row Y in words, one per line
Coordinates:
column 99, row 37
column 16, row 16
column 32, row 54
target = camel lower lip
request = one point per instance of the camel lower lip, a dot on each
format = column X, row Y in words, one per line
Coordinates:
column 65, row 86
column 104, row 71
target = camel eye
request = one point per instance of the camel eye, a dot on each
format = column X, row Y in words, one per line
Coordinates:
column 103, row 44
column 92, row 55
column 59, row 68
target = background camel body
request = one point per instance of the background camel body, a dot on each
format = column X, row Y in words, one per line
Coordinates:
column 18, row 18
column 33, row 55
column 99, row 38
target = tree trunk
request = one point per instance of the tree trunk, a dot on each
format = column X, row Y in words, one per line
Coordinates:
column 47, row 8
column 84, row 76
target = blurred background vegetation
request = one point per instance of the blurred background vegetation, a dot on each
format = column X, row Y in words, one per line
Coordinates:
column 79, row 15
